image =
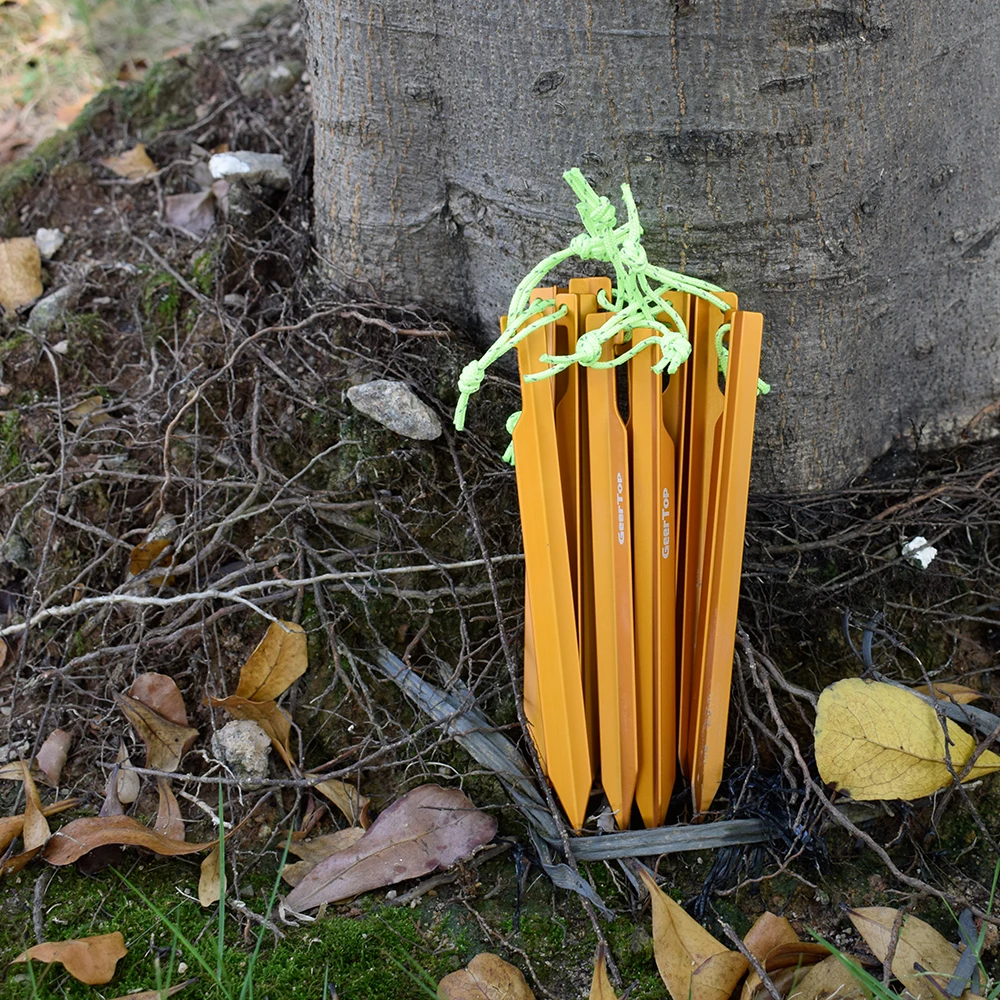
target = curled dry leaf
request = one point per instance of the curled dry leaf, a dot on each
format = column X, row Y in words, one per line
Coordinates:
column 169, row 821
column 312, row 852
column 134, row 164
column 36, row 827
column 3, row 652
column 166, row 742
column 280, row 658
column 273, row 720
column 684, row 952
column 160, row 693
column 918, row 945
column 12, row 865
column 88, row 410
column 53, row 753
column 194, row 213
column 428, row 828
column 91, row 960
column 20, row 272
column 767, row 933
column 11, row 826
column 959, row 693
column 211, row 882
column 145, row 555
column 830, row 978
column 600, row 987
column 127, row 783
column 879, row 741
column 79, row 837
column 347, row 799
column 486, row 977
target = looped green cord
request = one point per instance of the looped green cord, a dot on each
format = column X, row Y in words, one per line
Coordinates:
column 637, row 302
column 722, row 352
column 508, row 455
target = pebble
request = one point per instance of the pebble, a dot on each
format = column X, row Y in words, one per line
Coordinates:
column 276, row 80
column 48, row 242
column 267, row 169
column 50, row 313
column 396, row 406
column 244, row 747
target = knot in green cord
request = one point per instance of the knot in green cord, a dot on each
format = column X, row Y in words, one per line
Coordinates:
column 471, row 379
column 589, row 347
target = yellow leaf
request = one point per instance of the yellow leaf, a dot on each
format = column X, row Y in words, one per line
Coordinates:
column 918, row 945
column 280, row 658
column 600, row 988
column 950, row 692
column 91, row 960
column 87, row 409
column 692, row 964
column 879, row 741
column 134, row 164
column 148, row 554
column 212, row 881
column 20, row 272
column 830, row 978
column 487, row 977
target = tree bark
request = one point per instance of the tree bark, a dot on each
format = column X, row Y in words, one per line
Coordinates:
column 831, row 161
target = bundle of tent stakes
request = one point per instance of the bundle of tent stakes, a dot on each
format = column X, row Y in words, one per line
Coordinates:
column 632, row 453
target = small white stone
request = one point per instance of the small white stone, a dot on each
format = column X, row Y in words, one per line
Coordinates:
column 244, row 747
column 267, row 169
column 61, row 348
column 48, row 242
column 919, row 552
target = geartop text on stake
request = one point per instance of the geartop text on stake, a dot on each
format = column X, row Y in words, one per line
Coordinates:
column 633, row 523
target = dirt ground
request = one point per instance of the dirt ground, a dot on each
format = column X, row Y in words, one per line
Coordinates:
column 195, row 391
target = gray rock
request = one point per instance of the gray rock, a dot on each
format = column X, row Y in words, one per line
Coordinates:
column 244, row 747
column 48, row 242
column 49, row 313
column 267, row 169
column 276, row 80
column 394, row 405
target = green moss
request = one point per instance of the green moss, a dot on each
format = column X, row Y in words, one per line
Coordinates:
column 203, row 271
column 161, row 300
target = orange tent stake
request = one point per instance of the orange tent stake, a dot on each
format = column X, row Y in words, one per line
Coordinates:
column 704, row 408
column 654, row 521
column 611, row 543
column 558, row 681
column 724, row 560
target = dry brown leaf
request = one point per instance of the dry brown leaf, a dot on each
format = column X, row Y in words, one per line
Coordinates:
column 280, row 658
column 169, row 821
column 918, row 944
column 160, row 693
column 11, row 826
column 428, row 828
column 486, row 977
column 683, row 950
column 12, row 865
column 36, row 827
column 959, row 693
column 155, row 552
column 194, row 213
column 87, row 410
column 166, row 742
column 13, row 770
column 830, row 978
column 3, row 652
column 272, row 719
column 20, row 272
column 53, row 753
column 91, row 960
column 127, row 783
column 211, row 879
column 347, row 799
column 134, row 164
column 316, row 850
column 795, row 954
column 768, row 932
column 157, row 994
column 878, row 741
column 600, row 987
column 79, row 837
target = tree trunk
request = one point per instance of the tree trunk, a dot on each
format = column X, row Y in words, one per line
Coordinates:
column 831, row 161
